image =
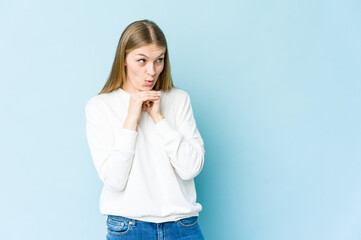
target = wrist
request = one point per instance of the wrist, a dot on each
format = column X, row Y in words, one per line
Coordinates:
column 158, row 118
column 131, row 123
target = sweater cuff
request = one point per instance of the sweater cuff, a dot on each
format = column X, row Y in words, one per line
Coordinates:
column 125, row 140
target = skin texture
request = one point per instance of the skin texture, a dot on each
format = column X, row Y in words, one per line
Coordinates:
column 144, row 63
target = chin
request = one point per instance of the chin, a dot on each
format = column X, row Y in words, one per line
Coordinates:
column 145, row 88
column 149, row 87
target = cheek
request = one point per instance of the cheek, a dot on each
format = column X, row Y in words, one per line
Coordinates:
column 160, row 69
column 134, row 70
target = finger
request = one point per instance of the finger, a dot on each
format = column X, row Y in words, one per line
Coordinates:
column 152, row 96
column 148, row 92
column 145, row 100
column 149, row 95
column 150, row 99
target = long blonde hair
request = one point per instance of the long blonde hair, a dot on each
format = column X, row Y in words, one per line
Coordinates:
column 138, row 34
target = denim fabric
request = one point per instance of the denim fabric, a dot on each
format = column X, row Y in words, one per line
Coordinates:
column 125, row 228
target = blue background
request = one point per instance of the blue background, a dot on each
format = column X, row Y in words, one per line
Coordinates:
column 275, row 89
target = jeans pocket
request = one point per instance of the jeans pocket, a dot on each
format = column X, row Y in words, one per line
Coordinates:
column 188, row 222
column 117, row 225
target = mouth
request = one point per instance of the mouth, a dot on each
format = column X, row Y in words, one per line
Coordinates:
column 149, row 82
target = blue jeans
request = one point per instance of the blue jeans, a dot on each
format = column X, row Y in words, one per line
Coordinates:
column 125, row 228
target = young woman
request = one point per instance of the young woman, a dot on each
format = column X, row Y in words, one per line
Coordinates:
column 144, row 143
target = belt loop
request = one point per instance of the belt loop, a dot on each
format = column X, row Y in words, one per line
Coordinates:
column 132, row 222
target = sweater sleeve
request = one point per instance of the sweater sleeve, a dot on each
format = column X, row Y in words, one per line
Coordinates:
column 112, row 151
column 183, row 143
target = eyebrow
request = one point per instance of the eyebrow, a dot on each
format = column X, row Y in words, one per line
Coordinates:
column 147, row 56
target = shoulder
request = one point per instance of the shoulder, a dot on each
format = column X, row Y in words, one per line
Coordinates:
column 177, row 94
column 178, row 100
column 94, row 103
column 96, row 110
column 100, row 101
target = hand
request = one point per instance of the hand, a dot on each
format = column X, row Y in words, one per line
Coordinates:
column 136, row 103
column 153, row 108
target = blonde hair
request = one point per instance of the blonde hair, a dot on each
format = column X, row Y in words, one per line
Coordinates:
column 138, row 34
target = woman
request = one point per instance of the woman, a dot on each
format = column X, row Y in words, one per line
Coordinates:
column 144, row 143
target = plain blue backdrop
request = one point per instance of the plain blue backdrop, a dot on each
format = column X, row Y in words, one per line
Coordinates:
column 275, row 89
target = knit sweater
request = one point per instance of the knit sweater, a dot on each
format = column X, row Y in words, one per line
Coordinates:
column 147, row 174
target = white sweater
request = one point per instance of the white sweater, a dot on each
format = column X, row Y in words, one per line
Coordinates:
column 147, row 174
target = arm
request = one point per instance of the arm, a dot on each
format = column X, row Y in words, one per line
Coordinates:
column 112, row 152
column 184, row 144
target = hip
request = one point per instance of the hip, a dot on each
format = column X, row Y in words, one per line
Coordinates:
column 119, row 227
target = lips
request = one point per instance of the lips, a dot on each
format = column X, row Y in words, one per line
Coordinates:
column 149, row 82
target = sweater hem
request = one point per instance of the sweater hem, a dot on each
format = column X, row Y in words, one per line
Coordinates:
column 154, row 219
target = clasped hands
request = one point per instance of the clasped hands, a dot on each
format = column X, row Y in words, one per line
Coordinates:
column 145, row 101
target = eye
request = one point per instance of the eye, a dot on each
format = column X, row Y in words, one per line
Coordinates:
column 160, row 60
column 141, row 60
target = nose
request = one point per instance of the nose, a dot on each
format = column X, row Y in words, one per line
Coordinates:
column 151, row 69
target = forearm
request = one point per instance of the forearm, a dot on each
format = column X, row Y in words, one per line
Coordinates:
column 114, row 160
column 185, row 150
column 130, row 123
column 187, row 159
column 157, row 118
column 115, row 170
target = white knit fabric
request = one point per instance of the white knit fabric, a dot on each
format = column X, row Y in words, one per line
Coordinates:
column 148, row 174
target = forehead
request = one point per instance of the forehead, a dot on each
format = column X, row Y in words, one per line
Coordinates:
column 149, row 50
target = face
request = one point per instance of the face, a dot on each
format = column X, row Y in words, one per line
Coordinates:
column 143, row 67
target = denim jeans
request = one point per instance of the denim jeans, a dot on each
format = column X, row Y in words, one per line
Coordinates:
column 125, row 228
